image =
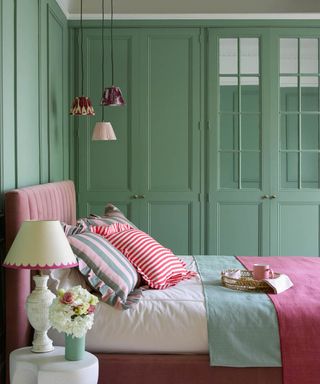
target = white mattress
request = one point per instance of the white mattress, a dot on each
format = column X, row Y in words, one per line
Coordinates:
column 166, row 321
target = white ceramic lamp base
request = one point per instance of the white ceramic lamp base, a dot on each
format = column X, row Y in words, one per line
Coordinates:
column 37, row 306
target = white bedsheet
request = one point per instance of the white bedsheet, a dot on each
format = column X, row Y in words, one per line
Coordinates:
column 167, row 321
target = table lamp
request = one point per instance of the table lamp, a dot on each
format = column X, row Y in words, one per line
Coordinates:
column 40, row 245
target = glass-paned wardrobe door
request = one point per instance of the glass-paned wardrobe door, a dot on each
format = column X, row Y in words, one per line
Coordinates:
column 237, row 178
column 296, row 203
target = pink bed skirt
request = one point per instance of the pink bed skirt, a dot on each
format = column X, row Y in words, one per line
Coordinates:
column 178, row 369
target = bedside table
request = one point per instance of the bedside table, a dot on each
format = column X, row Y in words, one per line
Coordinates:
column 27, row 367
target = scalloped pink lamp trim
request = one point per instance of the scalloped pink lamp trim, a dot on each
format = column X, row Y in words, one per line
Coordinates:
column 37, row 266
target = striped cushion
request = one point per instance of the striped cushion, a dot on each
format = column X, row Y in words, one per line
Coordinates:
column 113, row 212
column 112, row 215
column 72, row 229
column 158, row 266
column 106, row 269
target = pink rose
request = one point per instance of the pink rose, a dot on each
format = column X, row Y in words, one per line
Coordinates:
column 67, row 298
column 91, row 309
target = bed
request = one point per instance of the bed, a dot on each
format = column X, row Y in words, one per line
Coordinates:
column 56, row 201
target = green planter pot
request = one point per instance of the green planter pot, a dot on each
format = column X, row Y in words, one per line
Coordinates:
column 74, row 347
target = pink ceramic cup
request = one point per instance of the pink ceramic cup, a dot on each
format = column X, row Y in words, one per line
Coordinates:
column 262, row 271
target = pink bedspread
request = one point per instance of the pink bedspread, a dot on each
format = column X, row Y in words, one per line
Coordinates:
column 298, row 311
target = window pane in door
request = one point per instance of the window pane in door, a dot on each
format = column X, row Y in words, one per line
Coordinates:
column 310, row 131
column 288, row 55
column 229, row 175
column 249, row 56
column 228, row 56
column 229, row 94
column 308, row 55
column 309, row 93
column 289, row 131
column 289, row 170
column 250, row 170
column 310, row 169
column 250, row 94
column 289, row 94
column 250, row 131
column 229, row 131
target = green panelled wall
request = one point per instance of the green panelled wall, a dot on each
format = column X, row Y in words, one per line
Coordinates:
column 35, row 93
column 34, row 132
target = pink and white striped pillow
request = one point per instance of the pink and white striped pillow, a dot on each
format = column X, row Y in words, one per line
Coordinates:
column 158, row 266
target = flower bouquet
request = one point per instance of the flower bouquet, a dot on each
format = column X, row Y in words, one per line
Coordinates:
column 72, row 312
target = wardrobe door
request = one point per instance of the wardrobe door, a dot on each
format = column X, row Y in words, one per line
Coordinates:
column 237, row 146
column 295, row 205
column 170, row 137
column 107, row 170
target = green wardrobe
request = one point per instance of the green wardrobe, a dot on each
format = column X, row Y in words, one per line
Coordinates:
column 217, row 148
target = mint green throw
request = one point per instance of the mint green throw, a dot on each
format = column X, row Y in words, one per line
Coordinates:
column 242, row 326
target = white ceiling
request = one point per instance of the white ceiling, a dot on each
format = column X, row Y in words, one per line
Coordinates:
column 192, row 8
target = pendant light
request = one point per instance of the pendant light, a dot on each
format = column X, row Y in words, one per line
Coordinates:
column 112, row 96
column 81, row 105
column 103, row 130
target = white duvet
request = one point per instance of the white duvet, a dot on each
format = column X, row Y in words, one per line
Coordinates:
column 166, row 321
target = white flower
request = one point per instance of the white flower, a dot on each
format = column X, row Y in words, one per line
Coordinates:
column 72, row 311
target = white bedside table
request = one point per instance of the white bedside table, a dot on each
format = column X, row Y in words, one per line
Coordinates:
column 27, row 367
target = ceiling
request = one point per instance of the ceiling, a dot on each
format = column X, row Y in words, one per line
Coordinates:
column 192, row 8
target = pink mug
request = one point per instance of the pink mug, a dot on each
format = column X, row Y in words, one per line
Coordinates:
column 262, row 271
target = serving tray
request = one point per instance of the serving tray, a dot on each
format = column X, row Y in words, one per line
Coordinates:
column 246, row 282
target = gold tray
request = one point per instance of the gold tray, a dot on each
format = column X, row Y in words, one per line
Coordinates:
column 246, row 282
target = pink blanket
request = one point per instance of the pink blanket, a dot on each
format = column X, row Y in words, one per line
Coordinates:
column 298, row 311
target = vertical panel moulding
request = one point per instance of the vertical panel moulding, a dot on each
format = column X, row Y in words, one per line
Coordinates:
column 260, row 222
column 239, row 119
column 299, row 119
column 15, row 97
column 191, row 116
column 218, row 228
column 190, row 226
column 129, row 114
column 1, row 108
column 40, row 93
column 318, row 121
column 47, row 92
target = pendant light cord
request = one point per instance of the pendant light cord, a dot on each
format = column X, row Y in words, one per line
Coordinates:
column 81, row 47
column 102, row 39
column 111, row 33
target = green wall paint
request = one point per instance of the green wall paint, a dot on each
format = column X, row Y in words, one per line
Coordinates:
column 34, row 132
column 35, row 94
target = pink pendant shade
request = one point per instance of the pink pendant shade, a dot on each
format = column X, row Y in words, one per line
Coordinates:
column 103, row 131
column 112, row 97
column 81, row 106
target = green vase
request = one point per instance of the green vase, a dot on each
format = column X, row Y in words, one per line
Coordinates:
column 74, row 347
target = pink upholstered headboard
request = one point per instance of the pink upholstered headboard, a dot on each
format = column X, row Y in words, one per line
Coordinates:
column 52, row 201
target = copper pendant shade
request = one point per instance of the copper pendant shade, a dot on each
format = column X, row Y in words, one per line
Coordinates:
column 81, row 105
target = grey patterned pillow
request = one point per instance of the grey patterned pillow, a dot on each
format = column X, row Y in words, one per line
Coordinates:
column 112, row 215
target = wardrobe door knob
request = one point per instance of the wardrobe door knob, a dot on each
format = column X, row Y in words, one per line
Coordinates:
column 265, row 197
column 141, row 196
column 273, row 196
column 135, row 197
